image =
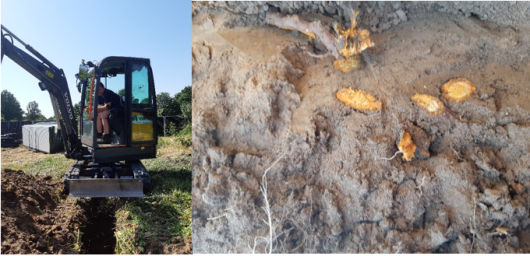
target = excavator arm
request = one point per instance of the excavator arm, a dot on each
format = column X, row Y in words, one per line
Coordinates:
column 53, row 80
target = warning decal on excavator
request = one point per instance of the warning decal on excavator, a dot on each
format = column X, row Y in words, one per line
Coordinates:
column 142, row 128
column 48, row 73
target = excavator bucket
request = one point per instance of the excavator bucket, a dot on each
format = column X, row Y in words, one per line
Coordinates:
column 117, row 180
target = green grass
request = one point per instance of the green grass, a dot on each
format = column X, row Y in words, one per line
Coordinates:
column 55, row 166
column 163, row 216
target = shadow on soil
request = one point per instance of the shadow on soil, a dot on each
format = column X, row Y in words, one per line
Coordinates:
column 98, row 234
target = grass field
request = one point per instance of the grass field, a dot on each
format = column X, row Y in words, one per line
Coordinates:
column 159, row 222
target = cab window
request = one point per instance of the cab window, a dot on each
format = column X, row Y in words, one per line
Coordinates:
column 141, row 95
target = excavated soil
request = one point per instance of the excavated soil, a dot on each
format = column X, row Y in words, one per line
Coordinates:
column 257, row 96
column 32, row 221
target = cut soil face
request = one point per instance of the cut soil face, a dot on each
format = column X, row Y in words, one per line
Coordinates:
column 32, row 221
column 98, row 234
column 333, row 190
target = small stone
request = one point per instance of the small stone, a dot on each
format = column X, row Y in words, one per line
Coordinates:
column 401, row 14
column 242, row 176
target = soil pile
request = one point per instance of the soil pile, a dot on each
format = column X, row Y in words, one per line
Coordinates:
column 32, row 222
column 258, row 96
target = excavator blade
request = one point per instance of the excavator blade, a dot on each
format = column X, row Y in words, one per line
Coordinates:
column 89, row 187
column 111, row 180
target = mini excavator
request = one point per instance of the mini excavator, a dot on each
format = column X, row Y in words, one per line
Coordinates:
column 100, row 170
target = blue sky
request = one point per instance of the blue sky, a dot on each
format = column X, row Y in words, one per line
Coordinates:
column 67, row 31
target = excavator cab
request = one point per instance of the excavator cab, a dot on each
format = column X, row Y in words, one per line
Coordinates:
column 108, row 168
column 115, row 168
column 132, row 120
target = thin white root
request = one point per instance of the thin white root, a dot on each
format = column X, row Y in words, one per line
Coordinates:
column 320, row 56
column 456, row 154
column 218, row 217
column 388, row 159
column 492, row 234
column 267, row 206
column 253, row 249
column 474, row 225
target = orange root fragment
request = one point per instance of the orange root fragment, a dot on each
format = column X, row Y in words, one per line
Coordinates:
column 406, row 146
column 431, row 105
column 358, row 99
column 458, row 89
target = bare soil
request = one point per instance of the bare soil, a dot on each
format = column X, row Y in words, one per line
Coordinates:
column 256, row 95
column 32, row 221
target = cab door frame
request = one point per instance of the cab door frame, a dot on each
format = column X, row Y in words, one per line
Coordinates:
column 151, row 113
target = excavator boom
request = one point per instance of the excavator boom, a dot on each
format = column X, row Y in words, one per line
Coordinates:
column 51, row 79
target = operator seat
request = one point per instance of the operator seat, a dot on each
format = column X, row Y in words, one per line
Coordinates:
column 117, row 118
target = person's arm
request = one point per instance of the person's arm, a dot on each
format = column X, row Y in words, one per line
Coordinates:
column 102, row 108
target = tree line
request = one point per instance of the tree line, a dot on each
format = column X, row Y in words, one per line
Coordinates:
column 179, row 104
column 11, row 110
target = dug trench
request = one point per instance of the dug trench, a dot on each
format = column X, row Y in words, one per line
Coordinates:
column 98, row 231
column 38, row 218
column 258, row 98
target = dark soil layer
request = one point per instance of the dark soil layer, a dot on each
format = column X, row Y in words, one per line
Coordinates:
column 98, row 234
column 32, row 222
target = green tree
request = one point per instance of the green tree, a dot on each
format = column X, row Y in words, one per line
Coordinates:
column 41, row 118
column 173, row 108
column 121, row 92
column 77, row 108
column 163, row 103
column 185, row 107
column 184, row 95
column 179, row 101
column 33, row 111
column 11, row 109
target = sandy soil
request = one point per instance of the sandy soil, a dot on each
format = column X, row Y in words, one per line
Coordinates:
column 256, row 96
